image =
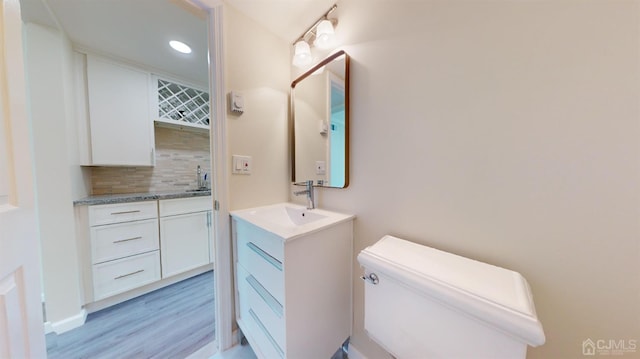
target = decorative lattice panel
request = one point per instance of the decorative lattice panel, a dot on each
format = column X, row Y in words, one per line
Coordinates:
column 182, row 103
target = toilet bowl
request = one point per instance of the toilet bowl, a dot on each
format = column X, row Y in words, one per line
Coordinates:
column 421, row 302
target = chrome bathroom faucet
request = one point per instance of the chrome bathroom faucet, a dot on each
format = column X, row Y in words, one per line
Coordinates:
column 309, row 192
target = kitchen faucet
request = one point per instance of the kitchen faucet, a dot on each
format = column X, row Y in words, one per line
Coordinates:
column 309, row 193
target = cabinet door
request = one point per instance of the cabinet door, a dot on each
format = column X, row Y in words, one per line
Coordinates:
column 119, row 114
column 184, row 242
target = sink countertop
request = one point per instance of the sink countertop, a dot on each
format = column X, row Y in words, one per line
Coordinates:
column 137, row 197
column 282, row 227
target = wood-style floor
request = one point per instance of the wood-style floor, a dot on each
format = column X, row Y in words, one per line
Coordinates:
column 171, row 322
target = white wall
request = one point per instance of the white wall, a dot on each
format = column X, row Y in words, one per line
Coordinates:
column 257, row 65
column 48, row 75
column 508, row 132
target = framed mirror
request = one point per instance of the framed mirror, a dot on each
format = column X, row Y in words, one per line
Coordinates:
column 319, row 125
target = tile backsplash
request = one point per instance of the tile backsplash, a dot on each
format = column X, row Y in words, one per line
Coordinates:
column 178, row 154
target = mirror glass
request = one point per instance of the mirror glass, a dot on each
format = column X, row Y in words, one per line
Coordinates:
column 320, row 123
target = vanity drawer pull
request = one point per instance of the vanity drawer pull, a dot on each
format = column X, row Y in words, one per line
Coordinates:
column 128, row 239
column 265, row 295
column 266, row 256
column 125, row 212
column 129, row 274
column 266, row 332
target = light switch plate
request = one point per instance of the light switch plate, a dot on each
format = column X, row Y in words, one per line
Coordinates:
column 321, row 167
column 236, row 102
column 241, row 165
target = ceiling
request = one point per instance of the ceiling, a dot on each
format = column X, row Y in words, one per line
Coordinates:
column 139, row 30
column 288, row 19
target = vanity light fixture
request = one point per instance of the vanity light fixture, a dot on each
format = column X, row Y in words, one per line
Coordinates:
column 320, row 34
column 180, row 46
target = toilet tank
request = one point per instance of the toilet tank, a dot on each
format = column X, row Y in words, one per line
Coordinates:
column 421, row 302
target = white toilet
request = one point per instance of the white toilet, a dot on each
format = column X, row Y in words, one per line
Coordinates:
column 421, row 302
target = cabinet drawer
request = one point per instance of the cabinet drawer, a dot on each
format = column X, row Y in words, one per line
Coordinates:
column 170, row 207
column 260, row 338
column 268, row 242
column 120, row 275
column 263, row 266
column 122, row 212
column 123, row 239
column 264, row 306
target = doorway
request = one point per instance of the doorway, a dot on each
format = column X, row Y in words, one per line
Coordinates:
column 84, row 175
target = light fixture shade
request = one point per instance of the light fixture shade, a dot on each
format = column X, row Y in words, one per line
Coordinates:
column 324, row 35
column 302, row 54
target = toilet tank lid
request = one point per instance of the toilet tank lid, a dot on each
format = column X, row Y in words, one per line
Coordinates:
column 495, row 295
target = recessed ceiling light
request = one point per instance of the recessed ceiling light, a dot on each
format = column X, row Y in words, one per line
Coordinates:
column 180, row 46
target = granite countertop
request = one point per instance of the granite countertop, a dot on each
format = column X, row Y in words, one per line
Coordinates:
column 137, row 197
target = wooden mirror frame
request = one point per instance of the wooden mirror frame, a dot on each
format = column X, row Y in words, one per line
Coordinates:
column 292, row 141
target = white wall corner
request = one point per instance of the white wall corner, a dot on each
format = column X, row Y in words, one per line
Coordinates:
column 69, row 323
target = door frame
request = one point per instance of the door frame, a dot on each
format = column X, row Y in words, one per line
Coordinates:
column 223, row 274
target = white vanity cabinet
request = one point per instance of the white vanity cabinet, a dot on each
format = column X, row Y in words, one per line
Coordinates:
column 124, row 247
column 293, row 295
column 115, row 113
column 185, row 232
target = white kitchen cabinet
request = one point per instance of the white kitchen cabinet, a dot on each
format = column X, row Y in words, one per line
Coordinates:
column 185, row 232
column 293, row 296
column 124, row 247
column 118, row 123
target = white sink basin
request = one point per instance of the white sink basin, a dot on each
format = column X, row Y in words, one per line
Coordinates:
column 289, row 220
column 300, row 216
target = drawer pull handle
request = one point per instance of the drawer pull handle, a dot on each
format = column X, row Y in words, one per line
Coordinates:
column 266, row 332
column 265, row 295
column 129, row 274
column 125, row 212
column 127, row 240
column 266, row 256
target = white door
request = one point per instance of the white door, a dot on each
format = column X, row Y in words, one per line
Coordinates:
column 21, row 326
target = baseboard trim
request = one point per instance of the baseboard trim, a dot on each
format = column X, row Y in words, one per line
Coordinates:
column 355, row 353
column 67, row 324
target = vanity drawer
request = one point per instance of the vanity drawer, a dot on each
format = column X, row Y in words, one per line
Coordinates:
column 120, row 275
column 268, row 242
column 123, row 240
column 122, row 212
column 264, row 306
column 253, row 323
column 267, row 270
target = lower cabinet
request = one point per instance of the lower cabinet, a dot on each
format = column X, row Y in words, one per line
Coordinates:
column 293, row 297
column 130, row 245
column 185, row 234
column 124, row 247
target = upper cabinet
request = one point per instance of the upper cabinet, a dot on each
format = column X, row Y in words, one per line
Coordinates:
column 117, row 115
column 117, row 106
column 180, row 106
